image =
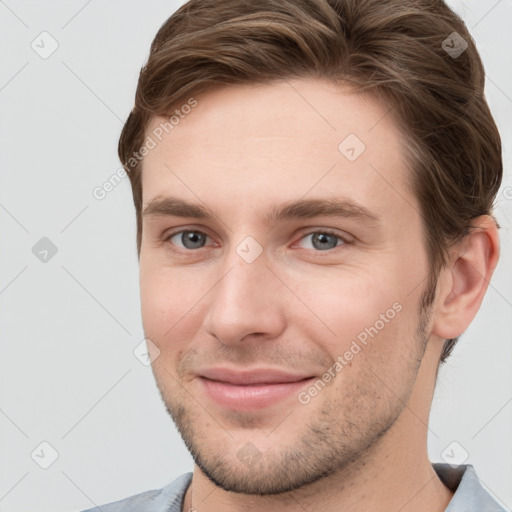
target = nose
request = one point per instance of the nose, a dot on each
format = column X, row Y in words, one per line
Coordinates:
column 246, row 303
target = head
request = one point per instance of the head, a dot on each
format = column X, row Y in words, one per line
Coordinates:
column 267, row 117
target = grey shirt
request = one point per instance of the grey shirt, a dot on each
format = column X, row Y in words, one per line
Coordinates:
column 469, row 495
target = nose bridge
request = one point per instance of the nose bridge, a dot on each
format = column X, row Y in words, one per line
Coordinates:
column 244, row 300
column 246, row 267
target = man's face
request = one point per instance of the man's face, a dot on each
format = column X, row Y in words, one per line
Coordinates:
column 252, row 312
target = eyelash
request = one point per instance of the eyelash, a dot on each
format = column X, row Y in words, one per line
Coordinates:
column 343, row 240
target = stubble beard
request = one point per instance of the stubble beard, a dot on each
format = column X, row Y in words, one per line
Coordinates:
column 329, row 442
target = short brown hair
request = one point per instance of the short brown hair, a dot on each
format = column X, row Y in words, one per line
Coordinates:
column 398, row 49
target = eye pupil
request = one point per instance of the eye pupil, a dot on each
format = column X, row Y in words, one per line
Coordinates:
column 323, row 239
column 192, row 239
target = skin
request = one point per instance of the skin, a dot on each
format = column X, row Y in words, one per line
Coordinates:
column 361, row 442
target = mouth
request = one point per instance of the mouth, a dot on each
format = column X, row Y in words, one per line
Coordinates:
column 249, row 390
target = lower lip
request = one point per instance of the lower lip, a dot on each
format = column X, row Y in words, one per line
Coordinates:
column 254, row 396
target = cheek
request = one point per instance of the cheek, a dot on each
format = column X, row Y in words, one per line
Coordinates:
column 375, row 341
column 350, row 306
column 169, row 301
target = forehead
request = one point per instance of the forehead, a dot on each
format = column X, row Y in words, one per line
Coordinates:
column 288, row 138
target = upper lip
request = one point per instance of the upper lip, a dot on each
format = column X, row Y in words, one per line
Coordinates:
column 256, row 376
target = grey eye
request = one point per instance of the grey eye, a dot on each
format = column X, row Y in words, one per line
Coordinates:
column 323, row 241
column 190, row 239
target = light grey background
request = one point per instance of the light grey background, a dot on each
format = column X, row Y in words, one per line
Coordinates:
column 69, row 326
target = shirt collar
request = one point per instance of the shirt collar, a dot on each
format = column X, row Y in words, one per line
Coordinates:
column 470, row 496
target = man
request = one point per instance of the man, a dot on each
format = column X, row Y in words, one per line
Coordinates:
column 313, row 183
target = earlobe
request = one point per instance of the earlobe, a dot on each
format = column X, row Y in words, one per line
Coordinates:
column 465, row 280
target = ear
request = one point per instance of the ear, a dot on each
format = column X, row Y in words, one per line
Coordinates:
column 464, row 281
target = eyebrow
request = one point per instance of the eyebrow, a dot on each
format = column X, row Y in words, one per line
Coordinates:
column 302, row 208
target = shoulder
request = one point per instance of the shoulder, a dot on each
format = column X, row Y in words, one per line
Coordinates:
column 166, row 499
